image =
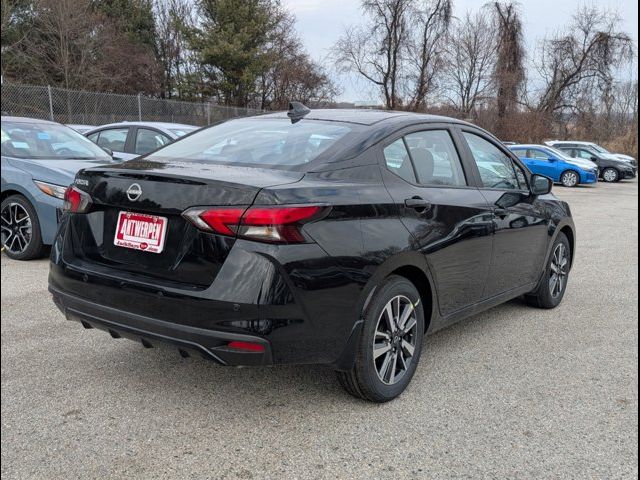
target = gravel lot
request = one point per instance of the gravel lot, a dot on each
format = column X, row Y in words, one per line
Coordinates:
column 514, row 392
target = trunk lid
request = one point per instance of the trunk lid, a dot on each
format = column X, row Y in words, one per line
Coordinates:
column 190, row 258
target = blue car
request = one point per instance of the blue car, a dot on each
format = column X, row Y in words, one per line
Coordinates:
column 556, row 165
column 39, row 161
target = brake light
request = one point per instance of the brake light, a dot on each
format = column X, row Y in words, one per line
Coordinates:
column 76, row 201
column 281, row 224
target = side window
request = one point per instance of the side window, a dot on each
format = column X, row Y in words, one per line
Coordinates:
column 538, row 155
column 435, row 158
column 149, row 140
column 94, row 137
column 114, row 139
column 496, row 169
column 398, row 161
column 584, row 154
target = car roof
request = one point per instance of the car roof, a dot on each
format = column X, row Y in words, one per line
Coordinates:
column 7, row 118
column 367, row 117
column 571, row 142
column 147, row 124
column 528, row 145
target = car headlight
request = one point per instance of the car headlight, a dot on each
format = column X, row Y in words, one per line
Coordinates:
column 50, row 189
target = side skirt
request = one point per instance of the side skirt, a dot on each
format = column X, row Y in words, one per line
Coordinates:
column 455, row 317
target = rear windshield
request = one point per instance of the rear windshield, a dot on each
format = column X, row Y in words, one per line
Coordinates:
column 252, row 141
column 47, row 141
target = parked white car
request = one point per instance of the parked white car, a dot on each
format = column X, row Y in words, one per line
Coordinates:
column 128, row 140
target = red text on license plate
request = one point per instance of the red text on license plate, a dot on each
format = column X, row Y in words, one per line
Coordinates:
column 140, row 232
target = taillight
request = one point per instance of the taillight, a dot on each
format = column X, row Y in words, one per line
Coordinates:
column 281, row 224
column 76, row 201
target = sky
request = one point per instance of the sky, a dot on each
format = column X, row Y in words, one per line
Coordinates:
column 321, row 22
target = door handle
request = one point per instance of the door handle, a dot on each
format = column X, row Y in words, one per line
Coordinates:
column 417, row 203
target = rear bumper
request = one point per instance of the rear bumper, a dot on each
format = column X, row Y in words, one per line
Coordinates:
column 210, row 344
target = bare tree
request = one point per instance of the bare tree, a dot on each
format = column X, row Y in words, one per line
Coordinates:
column 174, row 20
column 470, row 62
column 375, row 49
column 581, row 58
column 430, row 20
column 509, row 73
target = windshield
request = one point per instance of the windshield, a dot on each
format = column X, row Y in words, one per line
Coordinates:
column 598, row 148
column 47, row 141
column 252, row 141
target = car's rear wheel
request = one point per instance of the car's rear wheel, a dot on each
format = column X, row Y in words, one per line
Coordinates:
column 21, row 238
column 569, row 179
column 610, row 175
column 553, row 286
column 390, row 344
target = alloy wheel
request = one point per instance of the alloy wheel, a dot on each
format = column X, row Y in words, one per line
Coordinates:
column 570, row 179
column 610, row 175
column 395, row 339
column 559, row 270
column 16, row 228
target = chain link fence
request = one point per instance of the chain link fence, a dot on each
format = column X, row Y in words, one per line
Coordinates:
column 93, row 108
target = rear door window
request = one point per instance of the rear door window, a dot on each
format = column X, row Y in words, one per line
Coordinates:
column 114, row 139
column 435, row 158
column 148, row 140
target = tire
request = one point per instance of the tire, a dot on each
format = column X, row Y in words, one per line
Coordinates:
column 550, row 293
column 570, row 179
column 610, row 175
column 382, row 378
column 20, row 229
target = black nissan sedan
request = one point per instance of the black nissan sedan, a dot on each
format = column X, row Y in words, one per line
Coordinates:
column 334, row 237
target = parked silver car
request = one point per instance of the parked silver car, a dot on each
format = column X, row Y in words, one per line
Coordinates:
column 128, row 140
column 592, row 146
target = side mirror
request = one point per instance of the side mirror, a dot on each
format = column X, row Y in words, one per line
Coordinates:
column 594, row 159
column 108, row 150
column 540, row 185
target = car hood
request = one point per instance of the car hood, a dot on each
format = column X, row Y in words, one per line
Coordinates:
column 59, row 172
column 586, row 164
column 626, row 158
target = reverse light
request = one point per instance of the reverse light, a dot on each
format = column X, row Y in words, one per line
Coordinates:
column 76, row 201
column 51, row 189
column 280, row 224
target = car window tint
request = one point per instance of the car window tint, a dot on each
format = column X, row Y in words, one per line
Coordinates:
column 114, row 139
column 496, row 167
column 397, row 158
column 435, row 158
column 149, row 140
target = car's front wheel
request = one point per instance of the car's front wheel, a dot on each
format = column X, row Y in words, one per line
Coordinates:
column 610, row 175
column 21, row 238
column 390, row 344
column 553, row 286
column 569, row 179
